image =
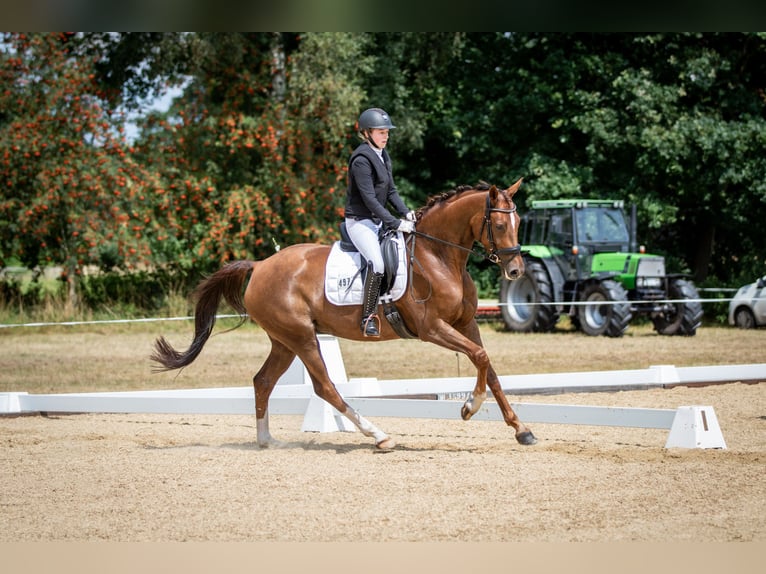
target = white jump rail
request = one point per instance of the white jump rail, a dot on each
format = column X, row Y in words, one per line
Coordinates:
column 690, row 426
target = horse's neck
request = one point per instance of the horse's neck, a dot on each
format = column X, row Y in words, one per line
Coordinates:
column 453, row 222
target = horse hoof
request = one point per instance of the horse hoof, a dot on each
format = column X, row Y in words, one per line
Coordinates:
column 385, row 445
column 272, row 443
column 526, row 438
column 465, row 413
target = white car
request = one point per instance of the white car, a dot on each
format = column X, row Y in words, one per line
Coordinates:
column 747, row 309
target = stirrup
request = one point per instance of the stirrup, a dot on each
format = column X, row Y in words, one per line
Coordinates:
column 370, row 326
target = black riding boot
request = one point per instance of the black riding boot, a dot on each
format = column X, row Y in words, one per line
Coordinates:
column 370, row 319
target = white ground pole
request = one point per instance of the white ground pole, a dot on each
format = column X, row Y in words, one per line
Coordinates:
column 689, row 426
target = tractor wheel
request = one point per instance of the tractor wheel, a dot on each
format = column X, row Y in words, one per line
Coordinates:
column 523, row 301
column 609, row 310
column 685, row 317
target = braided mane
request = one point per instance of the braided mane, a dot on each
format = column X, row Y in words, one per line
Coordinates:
column 447, row 195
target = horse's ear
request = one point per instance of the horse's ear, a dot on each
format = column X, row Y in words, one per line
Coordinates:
column 493, row 193
column 514, row 188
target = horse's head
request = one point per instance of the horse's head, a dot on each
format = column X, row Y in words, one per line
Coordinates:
column 501, row 238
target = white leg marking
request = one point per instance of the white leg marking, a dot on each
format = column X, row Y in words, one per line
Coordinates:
column 365, row 426
column 262, row 428
column 474, row 402
column 262, row 432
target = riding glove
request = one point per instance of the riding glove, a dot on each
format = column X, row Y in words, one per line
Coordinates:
column 406, row 226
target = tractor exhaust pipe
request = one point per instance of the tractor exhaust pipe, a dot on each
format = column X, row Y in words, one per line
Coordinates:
column 633, row 225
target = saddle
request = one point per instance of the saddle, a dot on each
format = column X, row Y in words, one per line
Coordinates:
column 389, row 248
column 346, row 269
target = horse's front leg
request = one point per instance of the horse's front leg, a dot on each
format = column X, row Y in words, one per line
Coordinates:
column 523, row 434
column 476, row 398
column 479, row 394
column 468, row 341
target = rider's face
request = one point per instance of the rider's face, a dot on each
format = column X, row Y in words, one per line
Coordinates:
column 379, row 137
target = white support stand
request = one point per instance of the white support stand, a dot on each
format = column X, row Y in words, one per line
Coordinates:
column 321, row 417
column 665, row 374
column 10, row 402
column 329, row 347
column 695, row 427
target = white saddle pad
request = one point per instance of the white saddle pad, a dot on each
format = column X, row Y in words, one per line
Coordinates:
column 343, row 279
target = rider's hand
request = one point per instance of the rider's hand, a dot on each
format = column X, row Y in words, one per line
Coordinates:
column 406, row 226
column 411, row 216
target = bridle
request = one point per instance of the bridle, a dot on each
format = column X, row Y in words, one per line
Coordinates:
column 494, row 253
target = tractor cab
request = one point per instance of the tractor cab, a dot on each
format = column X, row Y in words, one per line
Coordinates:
column 575, row 231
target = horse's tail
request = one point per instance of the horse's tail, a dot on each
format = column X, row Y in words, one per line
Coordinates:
column 227, row 282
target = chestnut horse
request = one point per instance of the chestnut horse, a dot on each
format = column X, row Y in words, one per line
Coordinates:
column 285, row 296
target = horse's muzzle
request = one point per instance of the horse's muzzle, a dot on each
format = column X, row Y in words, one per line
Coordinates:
column 513, row 269
column 512, row 274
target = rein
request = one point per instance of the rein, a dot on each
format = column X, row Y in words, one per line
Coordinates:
column 493, row 255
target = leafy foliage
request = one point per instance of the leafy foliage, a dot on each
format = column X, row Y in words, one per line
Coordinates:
column 253, row 153
column 72, row 192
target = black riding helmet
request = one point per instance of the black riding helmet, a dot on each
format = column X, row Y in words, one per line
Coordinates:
column 375, row 118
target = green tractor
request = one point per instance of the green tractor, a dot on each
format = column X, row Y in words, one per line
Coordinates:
column 582, row 260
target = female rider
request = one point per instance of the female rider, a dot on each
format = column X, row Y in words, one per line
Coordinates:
column 370, row 188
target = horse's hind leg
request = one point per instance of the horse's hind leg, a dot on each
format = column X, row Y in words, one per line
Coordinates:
column 276, row 364
column 325, row 389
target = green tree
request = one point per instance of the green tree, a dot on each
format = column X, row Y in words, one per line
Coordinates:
column 681, row 130
column 411, row 77
column 255, row 150
column 71, row 194
column 674, row 122
column 132, row 68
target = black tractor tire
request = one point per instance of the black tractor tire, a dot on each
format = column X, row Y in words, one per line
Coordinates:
column 685, row 317
column 610, row 319
column 523, row 301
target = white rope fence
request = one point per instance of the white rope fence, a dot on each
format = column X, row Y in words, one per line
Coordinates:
column 605, row 302
column 481, row 304
column 107, row 321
